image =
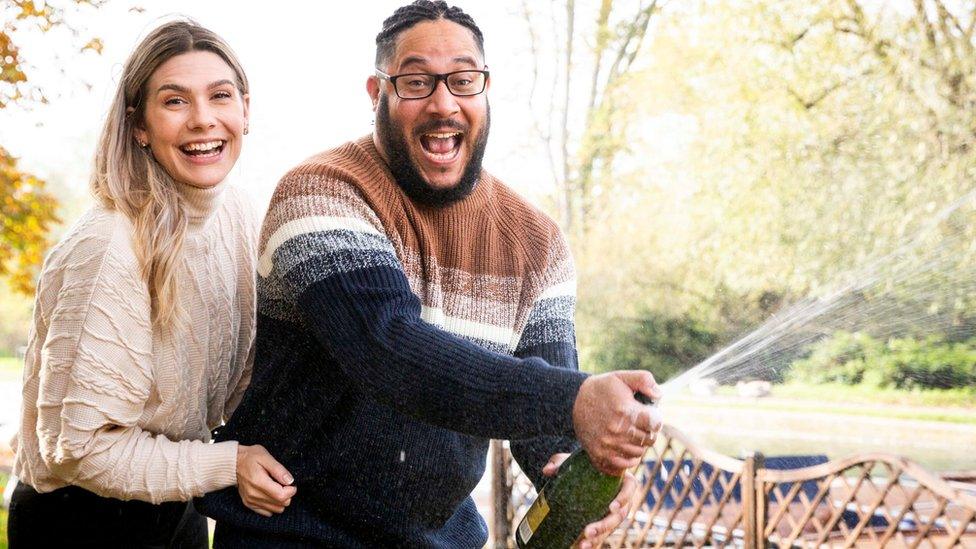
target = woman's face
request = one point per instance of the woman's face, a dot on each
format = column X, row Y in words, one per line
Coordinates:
column 194, row 118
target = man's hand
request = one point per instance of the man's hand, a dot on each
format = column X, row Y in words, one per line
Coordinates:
column 613, row 427
column 263, row 483
column 616, row 512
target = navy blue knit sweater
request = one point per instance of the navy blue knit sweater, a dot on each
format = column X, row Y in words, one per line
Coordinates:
column 393, row 341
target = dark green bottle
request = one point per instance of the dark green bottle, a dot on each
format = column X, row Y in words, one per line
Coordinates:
column 578, row 495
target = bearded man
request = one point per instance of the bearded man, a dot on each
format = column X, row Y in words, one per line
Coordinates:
column 411, row 307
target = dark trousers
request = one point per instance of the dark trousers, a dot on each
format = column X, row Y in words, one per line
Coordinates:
column 74, row 517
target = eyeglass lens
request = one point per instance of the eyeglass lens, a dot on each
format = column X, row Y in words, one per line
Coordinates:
column 421, row 85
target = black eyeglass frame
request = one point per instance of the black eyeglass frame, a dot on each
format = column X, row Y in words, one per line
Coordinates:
column 438, row 78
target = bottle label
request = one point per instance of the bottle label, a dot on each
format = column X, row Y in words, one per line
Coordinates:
column 537, row 512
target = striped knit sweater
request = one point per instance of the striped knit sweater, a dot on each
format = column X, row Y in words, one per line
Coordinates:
column 394, row 339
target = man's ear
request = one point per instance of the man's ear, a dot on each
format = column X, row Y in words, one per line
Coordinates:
column 373, row 89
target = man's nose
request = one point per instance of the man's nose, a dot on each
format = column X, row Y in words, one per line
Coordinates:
column 442, row 102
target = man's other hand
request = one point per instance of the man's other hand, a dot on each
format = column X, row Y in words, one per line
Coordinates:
column 613, row 427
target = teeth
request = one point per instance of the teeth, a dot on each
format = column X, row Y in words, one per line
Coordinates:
column 442, row 135
column 202, row 146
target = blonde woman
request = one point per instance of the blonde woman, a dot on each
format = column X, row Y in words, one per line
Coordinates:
column 143, row 325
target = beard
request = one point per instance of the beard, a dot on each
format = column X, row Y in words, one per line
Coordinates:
column 404, row 169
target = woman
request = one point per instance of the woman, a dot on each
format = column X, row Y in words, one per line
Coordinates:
column 144, row 320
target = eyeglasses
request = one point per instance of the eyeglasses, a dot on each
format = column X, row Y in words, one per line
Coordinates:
column 421, row 85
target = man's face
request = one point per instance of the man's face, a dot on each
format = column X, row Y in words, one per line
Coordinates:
column 440, row 138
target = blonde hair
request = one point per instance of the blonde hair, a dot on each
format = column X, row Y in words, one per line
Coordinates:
column 128, row 179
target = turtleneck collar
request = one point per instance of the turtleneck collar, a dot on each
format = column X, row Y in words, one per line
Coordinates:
column 200, row 204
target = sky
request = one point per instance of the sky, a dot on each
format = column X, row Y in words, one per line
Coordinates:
column 307, row 63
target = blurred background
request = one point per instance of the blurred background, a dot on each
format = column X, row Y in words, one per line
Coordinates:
column 779, row 192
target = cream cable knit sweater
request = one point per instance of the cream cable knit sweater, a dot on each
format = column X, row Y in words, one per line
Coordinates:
column 112, row 405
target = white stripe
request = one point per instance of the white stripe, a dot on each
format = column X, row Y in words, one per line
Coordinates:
column 563, row 289
column 467, row 328
column 308, row 225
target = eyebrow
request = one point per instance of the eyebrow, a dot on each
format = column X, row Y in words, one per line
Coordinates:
column 184, row 89
column 418, row 60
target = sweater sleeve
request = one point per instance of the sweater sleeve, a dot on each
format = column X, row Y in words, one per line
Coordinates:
column 550, row 335
column 333, row 260
column 96, row 379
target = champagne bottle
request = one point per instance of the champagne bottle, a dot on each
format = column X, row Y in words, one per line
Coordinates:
column 578, row 495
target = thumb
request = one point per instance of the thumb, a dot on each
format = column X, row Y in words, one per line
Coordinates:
column 552, row 466
column 641, row 381
column 277, row 470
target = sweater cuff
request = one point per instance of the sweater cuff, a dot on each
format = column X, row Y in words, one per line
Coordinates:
column 561, row 387
column 217, row 466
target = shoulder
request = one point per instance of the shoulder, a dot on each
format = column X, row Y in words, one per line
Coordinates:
column 96, row 252
column 537, row 231
column 350, row 163
column 333, row 184
column 99, row 233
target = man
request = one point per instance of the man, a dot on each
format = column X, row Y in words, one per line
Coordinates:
column 411, row 307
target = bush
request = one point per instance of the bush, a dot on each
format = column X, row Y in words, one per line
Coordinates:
column 662, row 344
column 902, row 363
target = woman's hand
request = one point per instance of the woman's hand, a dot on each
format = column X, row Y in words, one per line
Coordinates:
column 264, row 484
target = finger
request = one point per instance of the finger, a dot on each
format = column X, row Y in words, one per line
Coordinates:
column 629, row 451
column 270, row 509
column 603, row 526
column 627, row 490
column 259, row 511
column 649, row 419
column 276, row 469
column 621, row 464
column 591, row 532
column 640, row 437
column 271, row 489
column 550, row 468
column 640, row 380
column 264, row 499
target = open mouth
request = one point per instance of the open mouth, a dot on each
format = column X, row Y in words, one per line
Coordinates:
column 205, row 149
column 441, row 146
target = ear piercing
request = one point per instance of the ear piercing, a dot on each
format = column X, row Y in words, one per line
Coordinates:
column 246, row 129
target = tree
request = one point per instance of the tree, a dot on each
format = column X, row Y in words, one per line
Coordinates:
column 582, row 149
column 763, row 150
column 27, row 210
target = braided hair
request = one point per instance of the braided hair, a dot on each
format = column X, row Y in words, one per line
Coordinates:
column 422, row 10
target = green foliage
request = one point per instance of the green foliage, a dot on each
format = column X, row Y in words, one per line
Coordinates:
column 770, row 148
column 3, row 513
column 902, row 363
column 664, row 345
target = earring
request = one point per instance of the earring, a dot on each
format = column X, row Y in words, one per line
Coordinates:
column 245, row 129
column 143, row 144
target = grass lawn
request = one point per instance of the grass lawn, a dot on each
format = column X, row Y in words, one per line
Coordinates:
column 3, row 514
column 952, row 406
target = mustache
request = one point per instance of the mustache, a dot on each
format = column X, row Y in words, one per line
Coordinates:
column 435, row 126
